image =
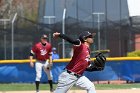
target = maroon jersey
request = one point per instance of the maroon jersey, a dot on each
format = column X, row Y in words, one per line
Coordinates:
column 80, row 60
column 42, row 52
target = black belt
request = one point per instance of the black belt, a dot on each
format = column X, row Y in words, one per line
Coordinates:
column 72, row 73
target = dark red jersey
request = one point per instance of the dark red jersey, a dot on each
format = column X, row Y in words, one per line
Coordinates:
column 80, row 60
column 42, row 52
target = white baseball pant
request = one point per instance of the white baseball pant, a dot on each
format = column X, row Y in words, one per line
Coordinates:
column 38, row 67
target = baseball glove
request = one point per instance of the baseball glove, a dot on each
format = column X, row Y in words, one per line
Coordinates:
column 98, row 64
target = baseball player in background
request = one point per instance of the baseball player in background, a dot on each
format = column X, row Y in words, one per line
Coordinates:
column 43, row 53
column 78, row 64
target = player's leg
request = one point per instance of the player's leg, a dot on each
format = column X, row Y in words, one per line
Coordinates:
column 38, row 68
column 84, row 83
column 65, row 82
column 49, row 75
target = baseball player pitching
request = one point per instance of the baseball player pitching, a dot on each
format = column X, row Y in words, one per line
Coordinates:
column 43, row 53
column 73, row 73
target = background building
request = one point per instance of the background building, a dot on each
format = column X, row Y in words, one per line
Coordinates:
column 108, row 18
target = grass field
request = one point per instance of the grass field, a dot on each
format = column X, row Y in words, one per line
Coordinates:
column 28, row 87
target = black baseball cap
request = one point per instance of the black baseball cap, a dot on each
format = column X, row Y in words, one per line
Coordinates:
column 85, row 35
column 44, row 36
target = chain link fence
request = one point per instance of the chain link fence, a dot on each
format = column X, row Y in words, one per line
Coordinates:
column 117, row 35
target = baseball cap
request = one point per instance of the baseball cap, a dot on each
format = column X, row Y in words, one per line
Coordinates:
column 85, row 35
column 44, row 36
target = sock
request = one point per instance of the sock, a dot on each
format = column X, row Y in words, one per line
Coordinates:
column 51, row 84
column 37, row 85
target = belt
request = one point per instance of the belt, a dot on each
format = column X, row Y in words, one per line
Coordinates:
column 72, row 73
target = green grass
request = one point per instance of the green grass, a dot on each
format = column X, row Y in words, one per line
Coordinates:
column 24, row 87
column 117, row 86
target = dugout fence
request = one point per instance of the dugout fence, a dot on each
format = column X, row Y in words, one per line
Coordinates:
column 119, row 68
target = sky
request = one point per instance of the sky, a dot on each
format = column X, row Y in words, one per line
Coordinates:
column 134, row 7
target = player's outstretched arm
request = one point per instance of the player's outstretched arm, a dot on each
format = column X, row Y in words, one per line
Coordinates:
column 65, row 37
